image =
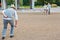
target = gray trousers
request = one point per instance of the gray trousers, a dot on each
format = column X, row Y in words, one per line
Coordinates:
column 49, row 11
column 5, row 22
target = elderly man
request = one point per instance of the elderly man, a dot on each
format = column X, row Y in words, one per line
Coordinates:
column 8, row 17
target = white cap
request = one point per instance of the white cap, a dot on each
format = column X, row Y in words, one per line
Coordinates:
column 12, row 5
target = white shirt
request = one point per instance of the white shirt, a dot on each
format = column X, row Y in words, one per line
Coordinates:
column 12, row 12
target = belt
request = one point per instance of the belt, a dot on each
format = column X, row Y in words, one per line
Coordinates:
column 7, row 18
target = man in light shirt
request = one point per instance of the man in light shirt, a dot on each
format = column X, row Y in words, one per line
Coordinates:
column 49, row 7
column 8, row 15
column 45, row 9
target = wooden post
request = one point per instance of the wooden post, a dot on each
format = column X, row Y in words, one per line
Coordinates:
column 16, row 3
column 31, row 4
column 4, row 4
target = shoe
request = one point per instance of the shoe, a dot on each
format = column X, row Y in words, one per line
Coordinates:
column 11, row 36
column 3, row 38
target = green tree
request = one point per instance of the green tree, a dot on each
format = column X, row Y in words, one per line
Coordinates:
column 26, row 2
column 9, row 2
column 39, row 2
column 21, row 2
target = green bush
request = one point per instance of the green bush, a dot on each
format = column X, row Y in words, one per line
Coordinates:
column 38, row 3
column 58, row 3
column 26, row 2
column 54, row 5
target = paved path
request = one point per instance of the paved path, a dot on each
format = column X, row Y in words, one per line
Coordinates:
column 38, row 10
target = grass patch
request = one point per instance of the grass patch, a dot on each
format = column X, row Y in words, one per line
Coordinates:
column 29, row 6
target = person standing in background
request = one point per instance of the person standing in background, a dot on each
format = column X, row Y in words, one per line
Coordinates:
column 45, row 9
column 49, row 7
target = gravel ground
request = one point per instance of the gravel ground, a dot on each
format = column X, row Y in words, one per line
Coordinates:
column 35, row 27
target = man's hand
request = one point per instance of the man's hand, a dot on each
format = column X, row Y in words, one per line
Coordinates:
column 6, row 16
column 15, row 23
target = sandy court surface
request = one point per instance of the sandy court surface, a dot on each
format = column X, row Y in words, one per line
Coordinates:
column 35, row 27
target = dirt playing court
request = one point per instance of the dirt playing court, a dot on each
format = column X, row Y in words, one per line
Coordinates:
column 34, row 26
